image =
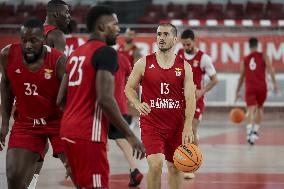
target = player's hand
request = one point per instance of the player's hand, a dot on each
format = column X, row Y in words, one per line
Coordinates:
column 137, row 146
column 3, row 133
column 187, row 135
column 143, row 108
column 199, row 93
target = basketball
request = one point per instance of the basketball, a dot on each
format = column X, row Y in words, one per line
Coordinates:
column 188, row 158
column 237, row 115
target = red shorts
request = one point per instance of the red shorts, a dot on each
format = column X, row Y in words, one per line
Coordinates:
column 155, row 142
column 199, row 108
column 35, row 138
column 88, row 162
column 256, row 97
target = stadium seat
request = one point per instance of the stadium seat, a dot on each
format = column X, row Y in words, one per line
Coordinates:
column 194, row 11
column 214, row 11
column 234, row 11
column 274, row 11
column 254, row 10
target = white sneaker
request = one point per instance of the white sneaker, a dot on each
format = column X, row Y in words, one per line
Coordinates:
column 188, row 175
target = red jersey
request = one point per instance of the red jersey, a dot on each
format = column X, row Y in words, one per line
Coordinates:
column 83, row 118
column 255, row 71
column 129, row 54
column 198, row 73
column 72, row 43
column 48, row 28
column 35, row 92
column 124, row 70
column 162, row 90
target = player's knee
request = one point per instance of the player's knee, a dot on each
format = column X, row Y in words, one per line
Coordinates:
column 173, row 169
column 156, row 165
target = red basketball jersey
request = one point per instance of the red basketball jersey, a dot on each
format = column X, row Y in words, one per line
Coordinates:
column 162, row 90
column 72, row 43
column 198, row 73
column 129, row 54
column 48, row 28
column 35, row 92
column 124, row 70
column 83, row 118
column 255, row 71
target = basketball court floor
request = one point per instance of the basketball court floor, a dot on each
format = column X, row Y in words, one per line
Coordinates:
column 229, row 162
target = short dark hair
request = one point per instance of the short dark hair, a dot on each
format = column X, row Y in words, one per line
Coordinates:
column 253, row 42
column 187, row 34
column 33, row 23
column 173, row 30
column 54, row 5
column 95, row 13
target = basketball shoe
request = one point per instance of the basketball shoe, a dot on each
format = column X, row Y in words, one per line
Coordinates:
column 135, row 178
column 188, row 175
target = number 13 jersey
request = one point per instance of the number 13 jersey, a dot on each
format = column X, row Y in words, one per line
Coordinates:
column 162, row 90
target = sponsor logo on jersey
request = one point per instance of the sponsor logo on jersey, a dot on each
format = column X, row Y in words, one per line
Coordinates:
column 152, row 66
column 195, row 63
column 47, row 73
column 178, row 71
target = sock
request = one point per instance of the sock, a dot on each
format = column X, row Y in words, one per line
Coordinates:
column 33, row 182
column 256, row 127
column 249, row 128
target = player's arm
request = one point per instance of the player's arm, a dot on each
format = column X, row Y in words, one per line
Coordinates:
column 206, row 61
column 7, row 96
column 61, row 76
column 241, row 80
column 106, row 65
column 56, row 39
column 132, row 84
column 189, row 94
column 271, row 71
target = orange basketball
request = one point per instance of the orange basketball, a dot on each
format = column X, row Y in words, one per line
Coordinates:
column 187, row 158
column 237, row 115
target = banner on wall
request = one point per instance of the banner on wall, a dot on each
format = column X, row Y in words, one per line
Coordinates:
column 226, row 51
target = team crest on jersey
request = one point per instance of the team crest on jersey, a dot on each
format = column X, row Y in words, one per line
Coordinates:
column 195, row 63
column 47, row 73
column 178, row 71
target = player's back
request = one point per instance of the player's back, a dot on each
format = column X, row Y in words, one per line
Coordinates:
column 162, row 89
column 35, row 92
column 82, row 117
column 72, row 43
column 255, row 70
column 129, row 54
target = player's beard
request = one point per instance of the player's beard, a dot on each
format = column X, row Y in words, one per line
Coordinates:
column 111, row 40
column 165, row 49
column 35, row 57
column 189, row 51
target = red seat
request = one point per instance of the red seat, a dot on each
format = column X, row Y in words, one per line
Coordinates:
column 234, row 11
column 214, row 11
column 274, row 11
column 254, row 10
column 195, row 11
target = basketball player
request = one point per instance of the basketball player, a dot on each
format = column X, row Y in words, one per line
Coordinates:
column 167, row 106
column 124, row 69
column 56, row 23
column 72, row 42
column 201, row 64
column 90, row 101
column 33, row 79
column 253, row 71
column 129, row 49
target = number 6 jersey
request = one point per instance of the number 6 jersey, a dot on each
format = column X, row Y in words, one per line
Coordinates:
column 35, row 92
column 162, row 90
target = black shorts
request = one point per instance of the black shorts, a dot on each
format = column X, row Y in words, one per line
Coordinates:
column 114, row 133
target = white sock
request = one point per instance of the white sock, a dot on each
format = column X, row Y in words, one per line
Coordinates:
column 256, row 127
column 33, row 182
column 249, row 128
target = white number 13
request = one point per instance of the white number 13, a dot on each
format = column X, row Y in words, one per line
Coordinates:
column 165, row 88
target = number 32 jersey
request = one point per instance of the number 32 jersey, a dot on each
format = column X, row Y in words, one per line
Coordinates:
column 35, row 92
column 162, row 90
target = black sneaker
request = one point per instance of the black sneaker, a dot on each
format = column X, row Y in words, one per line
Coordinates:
column 135, row 178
